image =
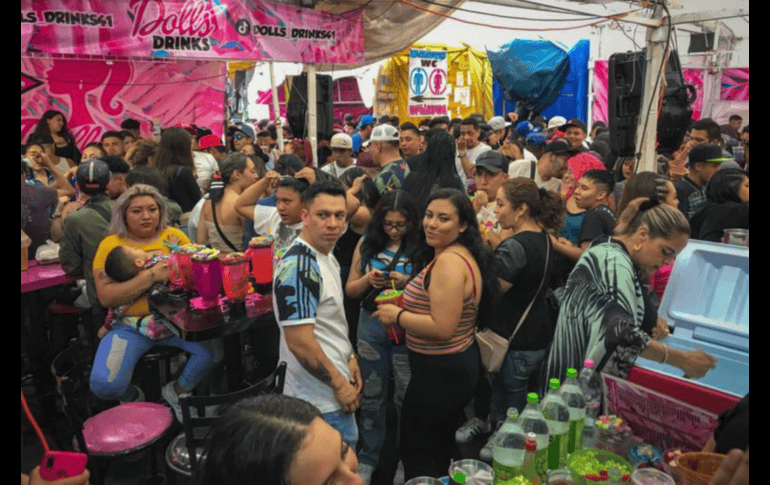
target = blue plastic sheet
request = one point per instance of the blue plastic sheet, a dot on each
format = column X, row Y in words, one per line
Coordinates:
column 555, row 80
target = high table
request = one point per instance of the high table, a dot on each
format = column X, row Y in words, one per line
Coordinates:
column 227, row 320
column 34, row 279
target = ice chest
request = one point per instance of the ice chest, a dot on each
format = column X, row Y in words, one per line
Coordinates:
column 707, row 298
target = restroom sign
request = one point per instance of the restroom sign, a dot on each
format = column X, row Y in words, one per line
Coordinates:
column 428, row 83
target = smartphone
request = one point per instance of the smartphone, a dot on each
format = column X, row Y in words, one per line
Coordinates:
column 382, row 274
column 56, row 465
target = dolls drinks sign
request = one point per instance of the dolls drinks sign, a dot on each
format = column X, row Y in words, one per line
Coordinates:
column 191, row 29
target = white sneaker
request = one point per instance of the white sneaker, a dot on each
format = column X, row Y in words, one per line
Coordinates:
column 485, row 454
column 171, row 397
column 472, row 428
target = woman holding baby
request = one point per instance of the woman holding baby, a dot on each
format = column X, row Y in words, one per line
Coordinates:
column 139, row 223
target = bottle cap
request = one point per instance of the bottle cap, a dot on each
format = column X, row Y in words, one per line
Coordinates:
column 553, row 383
column 588, row 363
column 532, row 398
column 571, row 372
column 513, row 413
column 531, row 443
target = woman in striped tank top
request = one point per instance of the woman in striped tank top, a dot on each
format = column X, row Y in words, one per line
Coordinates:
column 440, row 315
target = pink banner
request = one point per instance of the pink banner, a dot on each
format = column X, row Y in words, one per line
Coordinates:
column 659, row 419
column 96, row 96
column 735, row 84
column 192, row 29
column 735, row 87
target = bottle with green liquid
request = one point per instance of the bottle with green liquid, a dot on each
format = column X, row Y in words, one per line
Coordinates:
column 556, row 415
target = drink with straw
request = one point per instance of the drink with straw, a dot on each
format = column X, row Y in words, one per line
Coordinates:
column 393, row 297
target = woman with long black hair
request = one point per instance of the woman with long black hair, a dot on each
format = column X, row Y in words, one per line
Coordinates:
column 442, row 308
column 383, row 258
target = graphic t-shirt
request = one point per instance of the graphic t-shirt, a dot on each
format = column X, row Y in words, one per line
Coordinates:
column 307, row 290
column 392, row 176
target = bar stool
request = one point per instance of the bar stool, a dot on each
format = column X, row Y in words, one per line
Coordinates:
column 154, row 370
column 122, row 430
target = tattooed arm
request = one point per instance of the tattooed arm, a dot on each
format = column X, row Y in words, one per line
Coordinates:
column 303, row 344
column 113, row 294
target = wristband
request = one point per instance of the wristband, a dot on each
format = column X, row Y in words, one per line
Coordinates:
column 462, row 154
column 398, row 317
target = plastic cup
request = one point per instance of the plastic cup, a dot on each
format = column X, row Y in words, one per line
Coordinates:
column 261, row 263
column 208, row 280
column 475, row 472
column 651, row 476
column 181, row 273
column 235, row 277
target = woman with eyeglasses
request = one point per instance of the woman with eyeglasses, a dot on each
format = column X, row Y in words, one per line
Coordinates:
column 382, row 259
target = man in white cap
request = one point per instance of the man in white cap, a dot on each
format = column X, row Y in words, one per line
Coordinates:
column 498, row 133
column 554, row 124
column 341, row 159
column 384, row 145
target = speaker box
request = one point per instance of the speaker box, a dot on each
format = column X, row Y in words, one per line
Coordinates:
column 296, row 109
column 625, row 94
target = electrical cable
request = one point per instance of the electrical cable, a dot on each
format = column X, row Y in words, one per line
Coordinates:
column 470, row 22
column 460, row 9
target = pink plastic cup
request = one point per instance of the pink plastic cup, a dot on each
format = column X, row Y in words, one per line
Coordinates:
column 208, row 280
column 262, row 264
column 235, row 277
column 181, row 273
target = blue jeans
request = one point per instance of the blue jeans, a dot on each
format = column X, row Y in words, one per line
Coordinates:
column 120, row 351
column 509, row 386
column 344, row 423
column 379, row 357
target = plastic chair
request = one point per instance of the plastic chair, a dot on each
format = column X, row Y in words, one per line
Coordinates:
column 196, row 428
column 118, row 431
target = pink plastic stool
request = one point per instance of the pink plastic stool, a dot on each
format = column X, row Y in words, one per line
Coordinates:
column 126, row 428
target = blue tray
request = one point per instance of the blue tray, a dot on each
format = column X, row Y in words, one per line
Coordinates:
column 707, row 298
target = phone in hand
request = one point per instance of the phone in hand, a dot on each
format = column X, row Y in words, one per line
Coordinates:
column 56, row 465
column 382, row 274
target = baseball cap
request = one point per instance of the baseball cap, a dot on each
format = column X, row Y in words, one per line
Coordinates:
column 246, row 129
column 524, row 128
column 209, row 141
column 706, row 153
column 560, row 146
column 366, row 120
column 341, row 140
column 574, row 122
column 93, row 176
column 556, row 122
column 493, row 161
column 385, row 132
column 497, row 123
column 536, row 139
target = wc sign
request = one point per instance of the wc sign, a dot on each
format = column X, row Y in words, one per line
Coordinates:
column 428, row 90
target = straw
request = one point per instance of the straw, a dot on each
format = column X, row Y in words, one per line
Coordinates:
column 393, row 284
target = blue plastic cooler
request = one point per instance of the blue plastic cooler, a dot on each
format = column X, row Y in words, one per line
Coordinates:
column 707, row 298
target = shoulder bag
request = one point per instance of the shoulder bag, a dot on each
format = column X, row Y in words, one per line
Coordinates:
column 492, row 346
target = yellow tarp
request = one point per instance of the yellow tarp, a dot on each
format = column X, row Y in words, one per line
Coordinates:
column 468, row 68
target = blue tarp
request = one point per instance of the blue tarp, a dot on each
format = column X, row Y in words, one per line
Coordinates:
column 527, row 66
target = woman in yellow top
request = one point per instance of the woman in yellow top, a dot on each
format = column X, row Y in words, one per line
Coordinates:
column 139, row 221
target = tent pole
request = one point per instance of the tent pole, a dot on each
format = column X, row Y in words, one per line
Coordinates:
column 276, row 109
column 312, row 130
column 656, row 56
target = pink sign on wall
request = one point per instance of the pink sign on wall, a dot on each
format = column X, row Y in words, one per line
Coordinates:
column 96, row 96
column 197, row 29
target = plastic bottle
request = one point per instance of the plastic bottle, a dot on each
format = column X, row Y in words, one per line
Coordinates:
column 529, row 467
column 533, row 421
column 591, row 386
column 508, row 448
column 556, row 415
column 573, row 396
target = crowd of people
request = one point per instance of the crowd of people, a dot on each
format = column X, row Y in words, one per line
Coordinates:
column 531, row 228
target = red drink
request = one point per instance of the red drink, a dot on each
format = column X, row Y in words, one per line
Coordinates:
column 235, row 276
